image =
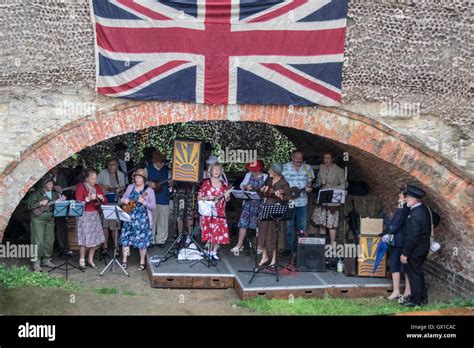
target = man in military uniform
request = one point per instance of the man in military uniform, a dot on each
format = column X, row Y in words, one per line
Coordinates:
column 42, row 222
column 417, row 245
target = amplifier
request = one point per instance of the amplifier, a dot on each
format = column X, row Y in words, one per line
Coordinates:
column 310, row 254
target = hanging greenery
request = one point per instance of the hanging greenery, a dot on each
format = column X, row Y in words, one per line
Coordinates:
column 269, row 144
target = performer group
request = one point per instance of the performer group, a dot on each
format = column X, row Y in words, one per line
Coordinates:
column 146, row 190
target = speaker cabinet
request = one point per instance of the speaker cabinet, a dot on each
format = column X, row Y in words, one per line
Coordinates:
column 310, row 254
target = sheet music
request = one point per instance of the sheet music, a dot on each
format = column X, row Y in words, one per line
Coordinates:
column 109, row 213
column 241, row 194
column 338, row 196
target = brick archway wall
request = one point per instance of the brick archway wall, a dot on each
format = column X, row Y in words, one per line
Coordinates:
column 451, row 188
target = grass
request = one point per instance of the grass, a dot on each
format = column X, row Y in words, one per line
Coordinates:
column 17, row 277
column 338, row 306
column 113, row 291
column 129, row 293
column 106, row 291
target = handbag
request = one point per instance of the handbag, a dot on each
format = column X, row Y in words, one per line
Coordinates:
column 389, row 238
column 434, row 245
column 207, row 208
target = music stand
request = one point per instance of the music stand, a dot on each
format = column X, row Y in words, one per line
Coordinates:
column 61, row 209
column 328, row 196
column 114, row 212
column 112, row 198
column 180, row 241
column 276, row 213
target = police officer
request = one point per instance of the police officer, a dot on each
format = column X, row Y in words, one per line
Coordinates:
column 417, row 245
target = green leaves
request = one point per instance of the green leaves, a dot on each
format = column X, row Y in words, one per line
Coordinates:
column 271, row 145
column 16, row 277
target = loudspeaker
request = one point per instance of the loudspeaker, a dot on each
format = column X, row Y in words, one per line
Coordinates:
column 310, row 254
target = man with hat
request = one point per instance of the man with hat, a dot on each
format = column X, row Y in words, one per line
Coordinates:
column 157, row 173
column 417, row 244
column 42, row 223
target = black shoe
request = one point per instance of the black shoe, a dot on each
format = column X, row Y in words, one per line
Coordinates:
column 286, row 253
column 409, row 304
column 161, row 245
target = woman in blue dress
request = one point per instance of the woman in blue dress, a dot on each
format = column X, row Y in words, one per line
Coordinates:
column 138, row 232
column 253, row 181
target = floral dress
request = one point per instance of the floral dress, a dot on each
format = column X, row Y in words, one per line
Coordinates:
column 137, row 232
column 214, row 228
column 251, row 208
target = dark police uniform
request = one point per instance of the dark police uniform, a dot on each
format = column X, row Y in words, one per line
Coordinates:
column 416, row 249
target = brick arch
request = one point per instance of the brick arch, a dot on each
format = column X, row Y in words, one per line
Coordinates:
column 356, row 131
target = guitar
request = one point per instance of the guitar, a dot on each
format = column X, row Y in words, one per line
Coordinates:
column 208, row 208
column 128, row 207
column 41, row 209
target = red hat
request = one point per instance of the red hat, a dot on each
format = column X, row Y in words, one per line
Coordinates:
column 255, row 166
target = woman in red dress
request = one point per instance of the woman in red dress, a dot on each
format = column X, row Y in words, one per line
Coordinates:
column 214, row 228
column 90, row 234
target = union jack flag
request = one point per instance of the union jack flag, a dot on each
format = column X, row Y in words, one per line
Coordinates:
column 221, row 51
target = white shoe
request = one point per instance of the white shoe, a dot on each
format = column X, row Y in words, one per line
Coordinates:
column 236, row 250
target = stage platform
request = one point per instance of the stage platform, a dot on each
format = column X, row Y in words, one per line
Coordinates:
column 176, row 274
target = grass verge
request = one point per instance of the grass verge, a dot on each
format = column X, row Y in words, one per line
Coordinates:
column 338, row 306
column 17, row 277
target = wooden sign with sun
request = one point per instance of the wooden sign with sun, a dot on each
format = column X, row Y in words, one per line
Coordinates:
column 187, row 160
column 366, row 260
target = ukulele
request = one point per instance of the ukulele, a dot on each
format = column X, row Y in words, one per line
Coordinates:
column 208, row 208
column 41, row 209
column 159, row 187
column 295, row 192
column 128, row 207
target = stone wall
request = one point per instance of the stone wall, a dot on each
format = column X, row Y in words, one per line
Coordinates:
column 407, row 64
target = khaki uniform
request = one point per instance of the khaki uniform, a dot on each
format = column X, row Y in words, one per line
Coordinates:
column 42, row 227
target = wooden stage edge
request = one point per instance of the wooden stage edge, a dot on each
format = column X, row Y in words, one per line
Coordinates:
column 318, row 291
column 226, row 281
